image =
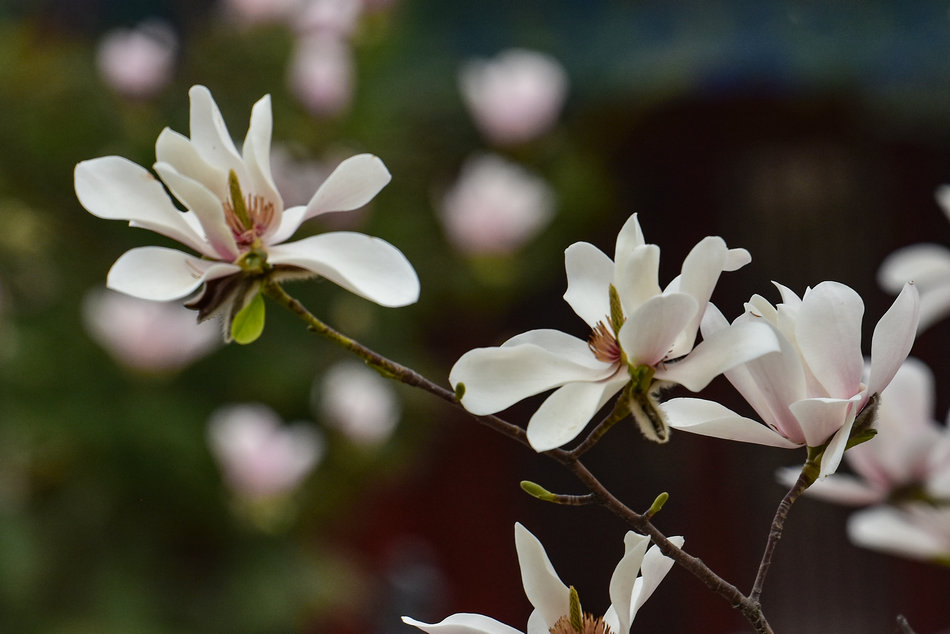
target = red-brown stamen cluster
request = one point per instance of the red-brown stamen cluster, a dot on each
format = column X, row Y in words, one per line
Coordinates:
column 603, row 344
column 589, row 625
column 260, row 212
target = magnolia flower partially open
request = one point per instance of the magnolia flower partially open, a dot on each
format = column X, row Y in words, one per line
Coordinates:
column 810, row 392
column 236, row 219
column 553, row 601
column 642, row 336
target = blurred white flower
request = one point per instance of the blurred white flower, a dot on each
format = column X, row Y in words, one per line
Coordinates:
column 359, row 402
column 916, row 531
column 258, row 11
column 146, row 335
column 928, row 266
column 259, row 456
column 495, row 206
column 514, row 97
column 138, row 62
column 329, row 17
column 321, row 74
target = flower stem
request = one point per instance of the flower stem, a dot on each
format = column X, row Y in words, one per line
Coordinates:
column 806, row 478
column 598, row 493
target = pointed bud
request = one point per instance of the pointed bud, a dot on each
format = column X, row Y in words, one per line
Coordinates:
column 657, row 504
column 576, row 614
column 616, row 310
column 237, row 200
column 537, row 491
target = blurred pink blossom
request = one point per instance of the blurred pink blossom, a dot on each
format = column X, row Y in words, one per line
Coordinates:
column 495, row 206
column 915, row 531
column 329, row 17
column 515, row 97
column 146, row 335
column 259, row 11
column 321, row 74
column 259, row 456
column 138, row 62
column 359, row 402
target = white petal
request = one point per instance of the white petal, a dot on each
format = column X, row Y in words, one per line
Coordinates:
column 542, row 586
column 890, row 530
column 736, row 259
column 463, row 624
column 589, row 276
column 210, row 135
column 623, row 579
column 564, row 414
column 839, row 488
column 653, row 570
column 648, row 334
column 206, row 207
column 256, row 154
column 925, row 264
column 700, row 272
column 934, row 305
column 637, row 276
column 629, row 238
column 828, row 333
column 893, row 338
column 115, row 188
column 162, row 274
column 820, row 418
column 739, row 343
column 178, row 151
column 834, row 452
column 942, row 195
column 563, row 345
column 496, row 378
column 709, row 418
column 369, row 267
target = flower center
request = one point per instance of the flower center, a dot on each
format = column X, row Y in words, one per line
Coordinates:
column 603, row 344
column 589, row 625
column 248, row 217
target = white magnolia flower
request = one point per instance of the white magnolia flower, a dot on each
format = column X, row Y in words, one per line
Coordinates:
column 928, row 266
column 145, row 335
column 810, row 392
column 236, row 220
column 915, row 531
column 495, row 206
column 552, row 599
column 514, row 97
column 138, row 62
column 359, row 402
column 909, row 456
column 640, row 333
column 259, row 456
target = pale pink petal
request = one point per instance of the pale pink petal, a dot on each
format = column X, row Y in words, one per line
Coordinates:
column 893, row 338
column 589, row 276
column 544, row 589
column 463, row 624
column 925, row 264
column 648, row 334
column 709, row 418
column 496, row 378
column 839, row 488
column 828, row 333
column 209, row 134
column 834, row 451
column 564, row 414
column 115, row 188
column 624, row 577
column 369, row 267
column 256, row 154
column 820, row 418
column 893, row 531
column 162, row 274
column 740, row 343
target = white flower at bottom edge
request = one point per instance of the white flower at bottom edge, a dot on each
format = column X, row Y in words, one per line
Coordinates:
column 236, row 219
column 551, row 598
column 810, row 392
column 916, row 531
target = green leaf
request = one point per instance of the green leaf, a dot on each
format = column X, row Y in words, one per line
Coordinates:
column 248, row 324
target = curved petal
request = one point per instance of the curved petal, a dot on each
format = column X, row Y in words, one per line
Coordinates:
column 544, row 589
column 563, row 345
column 463, row 623
column 564, row 414
column 934, row 304
column 834, row 452
column 820, row 418
column 178, row 151
column 736, row 259
column 828, row 334
column 162, row 274
column 256, row 154
column 629, row 238
column 369, row 267
column 839, row 488
column 648, row 334
column 893, row 338
column 709, row 418
column 653, row 570
column 206, row 208
column 637, row 275
column 496, row 378
column 589, row 276
column 701, row 270
column 925, row 264
column 624, row 578
column 209, row 134
column 115, row 188
column 740, row 343
column 898, row 532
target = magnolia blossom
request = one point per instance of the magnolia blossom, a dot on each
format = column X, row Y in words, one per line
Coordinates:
column 916, row 531
column 909, row 456
column 144, row 335
column 332, row 17
column 495, row 206
column 928, row 266
column 259, row 456
column 236, row 219
column 359, row 402
column 514, row 97
column 639, row 332
column 138, row 62
column 321, row 73
column 811, row 391
column 552, row 600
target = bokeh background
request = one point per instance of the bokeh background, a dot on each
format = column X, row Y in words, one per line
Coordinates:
column 813, row 134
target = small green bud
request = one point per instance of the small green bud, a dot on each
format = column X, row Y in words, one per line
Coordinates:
column 537, row 491
column 248, row 323
column 459, row 391
column 576, row 614
column 657, row 504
